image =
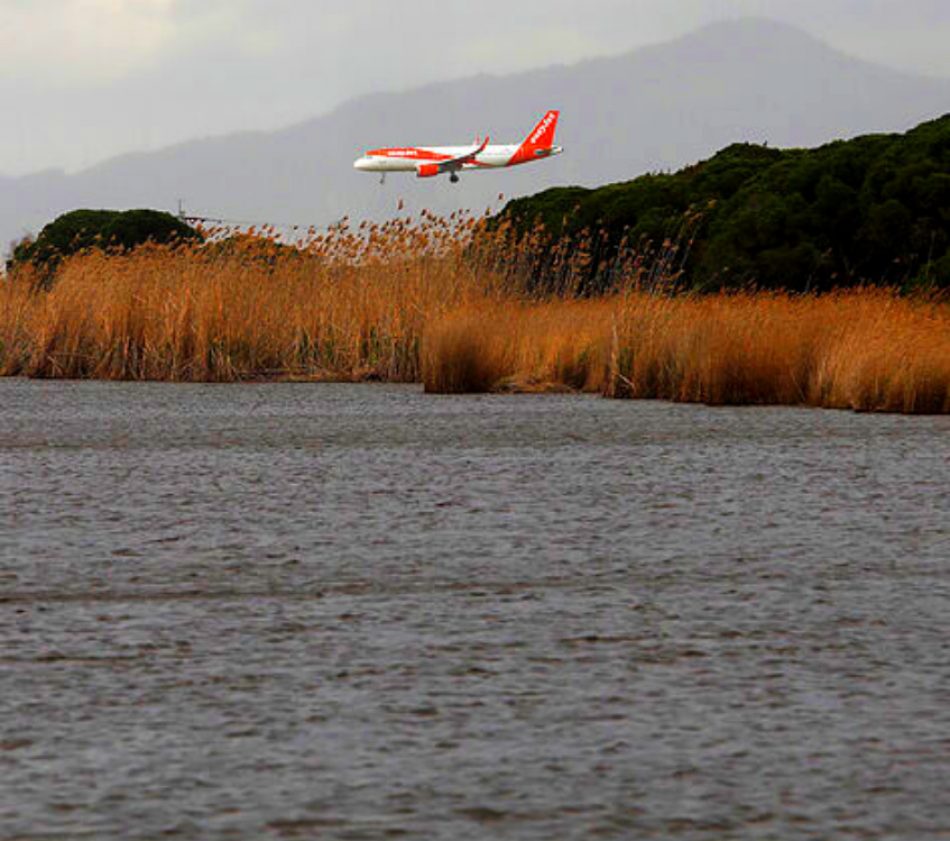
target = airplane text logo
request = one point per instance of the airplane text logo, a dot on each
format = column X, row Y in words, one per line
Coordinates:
column 542, row 128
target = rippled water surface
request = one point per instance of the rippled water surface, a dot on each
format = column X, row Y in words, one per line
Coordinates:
column 361, row 612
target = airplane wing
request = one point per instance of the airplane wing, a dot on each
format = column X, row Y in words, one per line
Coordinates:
column 457, row 162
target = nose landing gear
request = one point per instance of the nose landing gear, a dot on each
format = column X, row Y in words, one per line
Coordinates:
column 454, row 178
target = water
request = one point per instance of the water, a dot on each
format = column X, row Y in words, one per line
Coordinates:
column 361, row 612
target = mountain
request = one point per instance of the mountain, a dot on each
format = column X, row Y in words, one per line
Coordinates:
column 655, row 108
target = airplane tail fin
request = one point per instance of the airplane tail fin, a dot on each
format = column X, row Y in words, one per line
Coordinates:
column 539, row 142
column 542, row 135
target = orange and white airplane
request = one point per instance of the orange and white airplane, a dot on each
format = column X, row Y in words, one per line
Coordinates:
column 428, row 161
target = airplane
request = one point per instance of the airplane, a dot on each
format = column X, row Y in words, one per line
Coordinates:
column 429, row 161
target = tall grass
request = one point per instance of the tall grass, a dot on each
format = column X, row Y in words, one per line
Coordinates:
column 419, row 303
column 341, row 306
column 869, row 350
column 519, row 345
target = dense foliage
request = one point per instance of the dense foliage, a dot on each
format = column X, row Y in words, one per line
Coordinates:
column 80, row 230
column 875, row 209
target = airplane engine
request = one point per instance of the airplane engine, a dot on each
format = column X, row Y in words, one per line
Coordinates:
column 427, row 170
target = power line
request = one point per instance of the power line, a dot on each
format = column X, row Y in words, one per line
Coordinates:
column 257, row 223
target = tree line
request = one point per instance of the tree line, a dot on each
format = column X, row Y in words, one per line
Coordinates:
column 872, row 210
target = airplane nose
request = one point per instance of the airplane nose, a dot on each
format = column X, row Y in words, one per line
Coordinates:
column 363, row 163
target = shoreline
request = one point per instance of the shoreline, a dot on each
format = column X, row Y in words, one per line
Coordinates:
column 434, row 318
column 504, row 389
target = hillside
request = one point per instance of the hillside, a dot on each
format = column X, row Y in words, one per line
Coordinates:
column 652, row 109
column 873, row 209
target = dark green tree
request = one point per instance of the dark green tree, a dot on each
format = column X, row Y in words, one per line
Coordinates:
column 80, row 230
column 875, row 209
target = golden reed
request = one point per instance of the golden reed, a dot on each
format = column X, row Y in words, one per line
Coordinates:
column 868, row 350
column 407, row 302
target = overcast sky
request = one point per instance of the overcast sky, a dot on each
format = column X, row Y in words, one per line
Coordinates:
column 81, row 80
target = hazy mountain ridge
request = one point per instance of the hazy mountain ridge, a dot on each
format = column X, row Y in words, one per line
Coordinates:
column 655, row 108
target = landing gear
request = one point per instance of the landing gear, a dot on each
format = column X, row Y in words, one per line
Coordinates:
column 454, row 178
column 382, row 178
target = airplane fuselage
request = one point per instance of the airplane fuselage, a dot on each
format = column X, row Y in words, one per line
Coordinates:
column 429, row 161
column 409, row 158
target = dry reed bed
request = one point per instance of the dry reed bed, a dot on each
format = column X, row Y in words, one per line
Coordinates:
column 868, row 350
column 405, row 303
column 343, row 307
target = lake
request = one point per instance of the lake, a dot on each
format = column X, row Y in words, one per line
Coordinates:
column 361, row 612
